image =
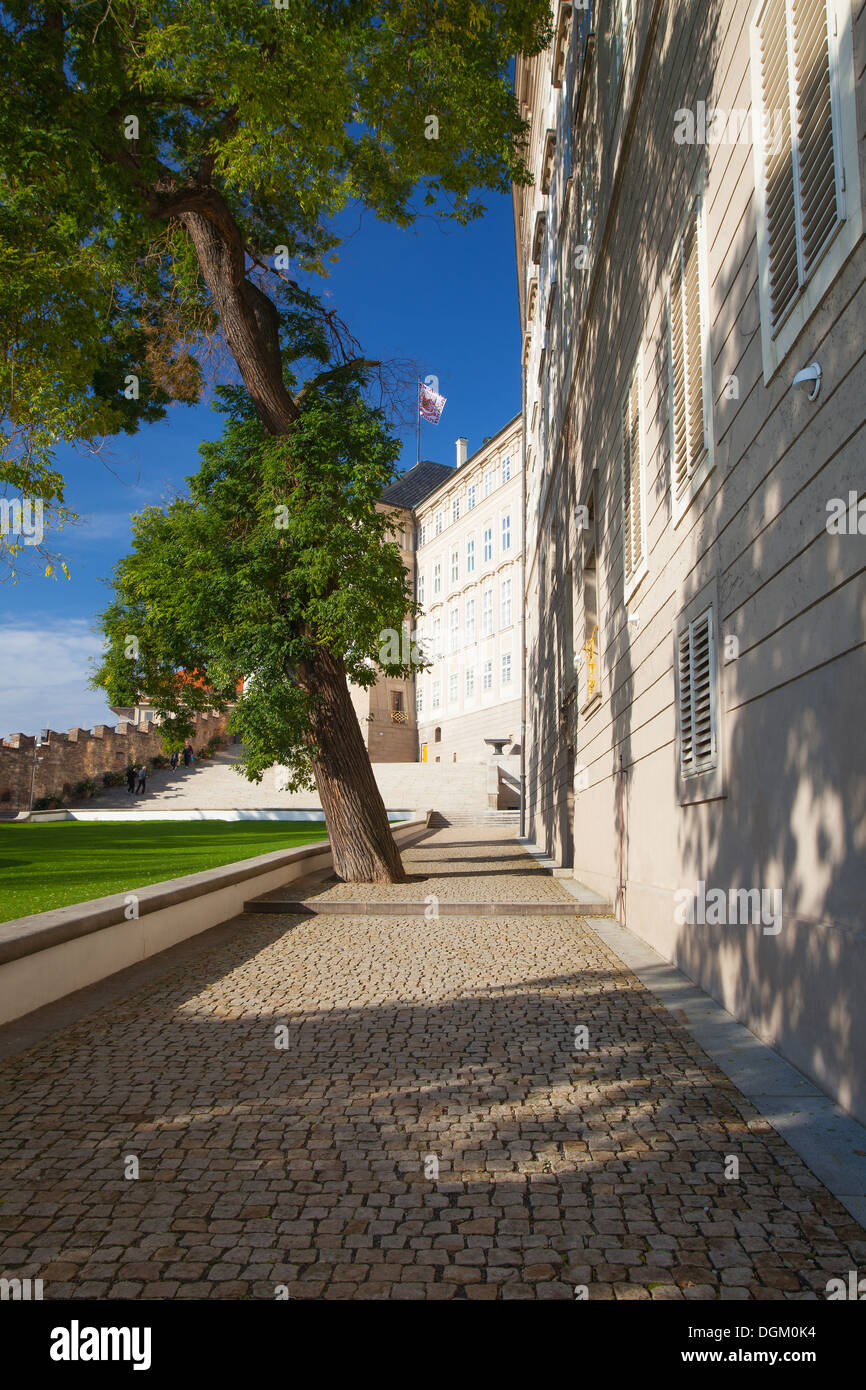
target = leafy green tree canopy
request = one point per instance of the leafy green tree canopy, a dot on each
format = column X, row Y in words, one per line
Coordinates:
column 156, row 154
column 281, row 548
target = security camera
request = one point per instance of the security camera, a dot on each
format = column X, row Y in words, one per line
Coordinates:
column 809, row 377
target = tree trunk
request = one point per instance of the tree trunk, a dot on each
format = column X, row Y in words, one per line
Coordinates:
column 363, row 846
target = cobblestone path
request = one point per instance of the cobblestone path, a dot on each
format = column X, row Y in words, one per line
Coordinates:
column 408, row 1044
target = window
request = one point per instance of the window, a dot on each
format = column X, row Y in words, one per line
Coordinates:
column 455, row 565
column 420, row 589
column 488, row 543
column 422, row 535
column 455, row 509
column 590, row 602
column 470, row 497
column 696, row 696
column 690, row 392
column 419, row 702
column 807, row 182
column 506, row 668
column 437, row 638
column 470, row 620
column 487, row 613
column 505, row 603
column 631, row 460
column 506, row 468
column 454, row 628
column 437, row 525
column 621, row 16
column 506, row 532
column 437, row 694
column 470, row 680
column 488, row 482
column 398, row 712
column 470, row 555
column 452, row 687
column 437, row 577
column 487, row 677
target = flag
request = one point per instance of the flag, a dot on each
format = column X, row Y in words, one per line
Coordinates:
column 430, row 406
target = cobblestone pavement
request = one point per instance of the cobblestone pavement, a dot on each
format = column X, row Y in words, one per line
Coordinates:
column 409, row 1044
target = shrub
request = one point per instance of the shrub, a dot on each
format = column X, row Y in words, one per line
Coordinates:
column 86, row 788
column 113, row 779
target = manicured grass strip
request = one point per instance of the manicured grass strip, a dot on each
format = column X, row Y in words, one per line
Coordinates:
column 58, row 863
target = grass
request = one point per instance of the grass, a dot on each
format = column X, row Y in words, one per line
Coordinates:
column 57, row 863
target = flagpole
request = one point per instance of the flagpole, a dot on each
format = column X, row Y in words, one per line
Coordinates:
column 418, row 403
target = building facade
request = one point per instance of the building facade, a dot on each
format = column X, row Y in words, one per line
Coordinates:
column 468, row 564
column 695, row 535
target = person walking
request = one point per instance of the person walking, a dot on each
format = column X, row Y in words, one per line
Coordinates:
column 141, row 781
column 130, row 779
column 173, row 759
column 188, row 755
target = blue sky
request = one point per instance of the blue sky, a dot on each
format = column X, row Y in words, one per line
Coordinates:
column 437, row 294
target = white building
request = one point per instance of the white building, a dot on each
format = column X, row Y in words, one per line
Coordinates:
column 468, row 559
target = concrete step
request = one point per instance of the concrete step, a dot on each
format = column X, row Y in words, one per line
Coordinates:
column 362, row 907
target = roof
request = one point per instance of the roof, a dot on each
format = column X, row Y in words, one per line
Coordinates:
column 418, row 483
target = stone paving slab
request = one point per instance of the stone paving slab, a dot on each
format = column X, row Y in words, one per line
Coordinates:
column 407, row 1047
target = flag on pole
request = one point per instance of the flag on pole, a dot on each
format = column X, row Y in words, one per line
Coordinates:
column 430, row 405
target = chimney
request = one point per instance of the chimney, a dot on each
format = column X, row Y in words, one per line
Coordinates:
column 461, row 452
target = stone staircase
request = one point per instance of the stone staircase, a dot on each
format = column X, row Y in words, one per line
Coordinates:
column 457, row 791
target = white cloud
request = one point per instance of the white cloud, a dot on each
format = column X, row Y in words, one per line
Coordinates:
column 44, row 672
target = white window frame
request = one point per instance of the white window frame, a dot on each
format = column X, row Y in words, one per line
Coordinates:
column 630, row 583
column 436, row 695
column 505, row 603
column 470, row 620
column 848, row 198
column 470, row 555
column 505, row 541
column 470, row 683
column 505, row 674
column 487, row 544
column 487, row 676
column 487, row 613
column 699, row 475
column 419, row 596
column 506, row 469
column 437, row 577
column 453, row 687
column 470, row 497
column 455, row 564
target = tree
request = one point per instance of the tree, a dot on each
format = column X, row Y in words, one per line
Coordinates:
column 278, row 568
column 162, row 160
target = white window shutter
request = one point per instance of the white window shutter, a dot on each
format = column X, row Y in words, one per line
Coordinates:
column 801, row 162
column 697, row 696
column 633, row 518
column 688, row 332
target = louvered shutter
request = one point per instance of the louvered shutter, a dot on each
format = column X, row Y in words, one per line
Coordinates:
column 697, row 698
column 687, row 329
column 631, row 478
column 800, row 174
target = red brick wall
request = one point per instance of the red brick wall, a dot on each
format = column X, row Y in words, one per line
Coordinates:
column 68, row 758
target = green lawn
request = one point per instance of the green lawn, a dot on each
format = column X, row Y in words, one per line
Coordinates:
column 57, row 863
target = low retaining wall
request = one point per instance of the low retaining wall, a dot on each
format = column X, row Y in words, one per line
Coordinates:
column 51, row 954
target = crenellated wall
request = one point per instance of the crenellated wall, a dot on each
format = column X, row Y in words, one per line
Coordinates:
column 66, row 759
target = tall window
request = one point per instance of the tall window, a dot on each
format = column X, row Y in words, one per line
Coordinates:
column 420, row 589
column 437, row 638
column 505, row 603
column 455, row 509
column 807, row 183
column 437, row 577
column 437, row 525
column 487, row 676
column 470, row 497
column 506, row 468
column 437, row 694
column 696, row 696
column 506, row 532
column 631, row 463
column 452, row 686
column 590, row 601
column 488, row 482
column 470, row 620
column 470, row 555
column 689, row 367
column 422, row 535
column 454, row 628
column 419, row 702
column 488, row 543
column 470, row 680
column 455, row 565
column 487, row 613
